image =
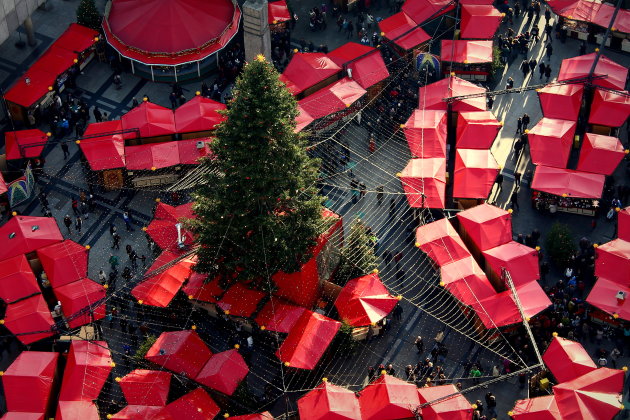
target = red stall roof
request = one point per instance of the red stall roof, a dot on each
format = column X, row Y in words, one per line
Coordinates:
column 240, row 301
column 604, row 15
column 488, row 226
column 423, row 10
column 613, row 75
column 278, row 11
column 26, row 94
column 498, row 310
column 425, row 131
column 432, row 96
column 521, row 261
column 152, row 120
column 154, row 155
column 452, row 405
column 561, row 101
column 3, row 185
column 609, row 108
column 17, row 415
column 477, row 130
column 189, row 30
column 143, row 412
column 25, row 143
column 198, row 288
column 223, row 372
column 106, row 151
column 550, row 142
column 604, row 296
column 28, row 233
column 72, row 410
column 403, row 31
column 306, row 70
column 424, row 182
column 162, row 228
column 623, row 224
column 479, row 21
column 388, row 397
column 182, row 352
column 77, row 38
column 600, row 154
column 64, row 262
column 364, row 300
column 592, row 11
column 17, row 280
column 146, row 387
column 475, row 173
column 336, row 97
column 26, row 316
column 196, row 405
column 565, row 181
column 367, row 70
column 328, row 401
column 465, row 280
column 543, row 408
column 567, row 359
column 533, row 298
column 55, row 60
column 88, row 367
column 78, row 295
column 613, row 261
column 466, row 51
column 302, row 120
column 441, row 242
column 279, row 316
column 162, row 285
column 308, row 340
column 28, row 381
column 190, row 153
column 199, row 114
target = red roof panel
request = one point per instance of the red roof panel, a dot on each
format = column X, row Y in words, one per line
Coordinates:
column 432, row 96
column 479, row 21
column 604, row 296
column 465, row 280
column 403, row 31
column 26, row 94
column 197, row 288
column 609, row 108
column 559, row 181
column 488, row 226
column 613, row 75
column 107, row 151
column 25, row 143
column 600, row 154
column 28, row 233
column 441, row 242
column 519, row 260
column 55, row 60
column 146, row 387
column 28, row 381
column 88, row 367
column 477, row 130
column 27, row 316
column 364, row 301
column 279, row 316
column 567, row 359
column 199, row 114
column 422, row 10
column 183, row 352
column 424, row 183
column 143, row 412
column 550, row 142
column 223, row 372
column 329, row 402
column 475, row 173
column 73, row 410
column 613, row 261
column 152, row 156
column 539, row 408
column 425, row 131
column 451, row 403
column 152, row 120
column 196, row 405
column 466, row 51
column 64, row 262
column 278, row 11
column 76, row 38
column 306, row 70
column 17, row 280
column 388, row 398
column 497, row 311
column 336, row 97
column 78, row 295
column 162, row 285
column 240, row 301
column 561, row 101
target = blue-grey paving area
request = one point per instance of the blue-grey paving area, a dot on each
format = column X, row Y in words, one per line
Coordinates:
column 427, row 312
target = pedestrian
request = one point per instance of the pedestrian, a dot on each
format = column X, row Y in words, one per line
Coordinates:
column 547, row 15
column 134, row 102
column 78, row 224
column 490, row 101
column 532, row 65
column 398, row 311
column 602, row 361
column 65, row 150
column 390, row 370
column 116, row 241
column 379, row 194
column 517, row 179
column 526, row 121
column 510, row 83
column 541, row 69
column 549, row 49
column 499, row 182
column 419, row 342
column 112, row 229
column 133, row 257
column 97, row 114
column 349, row 30
column 518, row 146
column 614, row 355
column 68, row 222
column 111, row 281
column 475, row 373
column 548, row 31
column 514, row 200
column 127, row 221
column 371, row 144
column 548, row 72
column 143, row 258
column 525, row 68
column 113, row 262
column 519, row 125
column 479, row 405
column 75, row 206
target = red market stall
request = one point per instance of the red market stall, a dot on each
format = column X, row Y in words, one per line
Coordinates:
column 562, row 102
column 55, row 60
column 475, row 173
column 196, row 405
column 17, row 280
column 550, row 142
column 25, row 144
column 240, row 301
column 199, row 115
column 486, row 225
column 557, row 181
column 162, row 283
column 364, row 301
column 328, row 401
column 423, row 10
column 469, row 59
column 24, row 234
column 605, row 296
column 333, row 98
column 25, row 317
column 613, row 261
column 64, row 262
column 567, row 359
column 537, row 408
column 479, row 21
column 609, row 109
column 309, row 72
column 162, row 228
column 477, row 130
column 450, row 405
column 307, row 341
column 182, row 352
column 441, row 242
column 150, row 120
column 533, row 298
column 223, row 372
column 77, row 38
column 278, row 12
column 465, row 280
column 103, row 146
column 497, row 311
column 199, row 289
column 592, row 11
column 18, row 415
column 302, row 120
column 600, row 154
column 612, row 75
column 145, row 387
column 424, row 182
column 72, row 410
column 519, row 260
column 32, row 89
column 152, row 156
column 78, row 295
column 425, row 131
column 279, row 316
column 28, row 381
column 363, row 63
column 87, row 369
column 388, row 398
column 433, row 96
column 403, row 31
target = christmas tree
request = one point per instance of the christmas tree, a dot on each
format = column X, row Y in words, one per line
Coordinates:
column 88, row 15
column 357, row 256
column 260, row 212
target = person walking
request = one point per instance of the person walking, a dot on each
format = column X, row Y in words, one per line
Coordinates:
column 532, row 65
column 582, row 47
column 75, row 206
column 549, row 49
column 127, row 221
column 517, row 179
column 98, row 116
column 490, row 102
column 518, row 146
column 526, row 121
column 419, row 342
column 68, row 222
column 547, row 15
column 514, row 200
column 519, row 125
column 541, row 69
column 116, row 241
column 548, row 72
column 65, row 150
column 475, row 373
column 525, row 68
column 113, row 262
column 349, row 30
column 499, row 182
column 78, row 224
column 491, row 403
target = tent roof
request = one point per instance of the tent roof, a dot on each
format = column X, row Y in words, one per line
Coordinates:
column 196, row 405
column 539, row 408
column 477, row 130
column 432, row 96
column 328, row 401
column 199, row 289
column 592, row 11
column 455, row 407
column 180, row 351
column 308, row 69
column 423, row 10
column 603, row 295
column 479, row 21
column 367, row 70
column 150, row 119
column 164, row 233
column 64, row 262
column 163, row 284
column 28, row 233
column 425, row 131
column 183, row 31
column 76, row 38
column 88, row 367
column 55, row 60
column 223, row 372
column 600, row 154
column 425, row 177
column 28, row 381
column 146, row 387
column 25, row 143
column 72, row 410
column 78, row 295
column 604, row 15
column 26, row 316
column 18, row 415
column 240, row 301
column 278, row 11
column 27, row 94
column 388, row 397
column 403, row 31
column 308, row 340
column 190, row 154
column 533, row 298
column 152, row 156
column 199, row 114
column 613, row 74
column 497, row 311
column 550, row 142
column 336, row 97
column 466, row 51
column 279, row 316
column 623, row 224
column 567, row 359
column 465, row 280
column 521, row 261
column 613, row 261
column 609, row 108
column 364, row 300
column 475, row 173
column 559, row 181
column 303, row 119
column 441, row 242
column 488, row 226
column 561, row 101
column 17, row 280
column 107, row 151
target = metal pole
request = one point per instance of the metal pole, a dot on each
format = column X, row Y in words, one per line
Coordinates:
column 175, row 67
column 152, row 76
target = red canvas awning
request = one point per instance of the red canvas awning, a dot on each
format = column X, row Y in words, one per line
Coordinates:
column 364, row 301
column 143, row 412
column 424, row 182
column 425, row 131
column 613, row 75
column 498, row 310
column 308, row 69
column 279, row 316
column 77, row 38
column 441, row 242
column 162, row 228
column 565, row 181
column 197, row 288
column 364, row 62
column 72, row 410
column 328, row 401
column 466, row 51
column 465, row 280
column 479, row 21
column 533, row 298
column 27, row 316
column 18, row 415
column 550, row 142
column 488, row 226
column 423, row 10
column 28, row 381
column 475, row 173
column 403, row 31
column 561, row 101
column 277, row 12
column 189, row 31
column 17, row 280
column 78, row 295
column 55, row 60
column 592, row 11
column 432, row 96
column 88, row 367
column 152, row 156
column 240, row 301
column 603, row 17
column 303, row 119
column 539, row 408
column 64, row 262
column 388, row 398
column 336, row 97
column 191, row 153
column 145, row 387
column 162, row 285
column 477, row 130
column 567, row 359
column 308, row 340
column 196, row 405
column 613, row 261
column 199, row 114
column 24, row 143
column 623, row 224
column 150, row 119
column 28, row 233
column 31, row 87
column 451, row 404
column 519, row 260
column 223, row 372
column 609, row 108
column 106, row 151
column 183, row 352
column 600, row 154
column 604, row 296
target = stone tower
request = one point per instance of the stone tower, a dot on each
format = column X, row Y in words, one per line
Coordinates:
column 256, row 29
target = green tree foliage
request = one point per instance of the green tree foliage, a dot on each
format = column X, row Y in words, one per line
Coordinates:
column 357, row 256
column 343, row 342
column 560, row 244
column 88, row 15
column 260, row 212
column 144, row 347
